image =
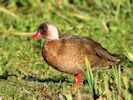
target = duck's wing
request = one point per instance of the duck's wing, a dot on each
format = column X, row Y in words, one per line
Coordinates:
column 98, row 50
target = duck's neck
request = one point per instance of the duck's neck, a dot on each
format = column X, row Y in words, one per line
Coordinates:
column 53, row 36
column 53, row 32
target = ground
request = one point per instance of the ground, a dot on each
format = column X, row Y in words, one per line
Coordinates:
column 25, row 75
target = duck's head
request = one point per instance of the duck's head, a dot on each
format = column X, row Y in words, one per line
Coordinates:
column 46, row 30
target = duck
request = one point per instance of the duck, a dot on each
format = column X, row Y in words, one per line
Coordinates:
column 66, row 53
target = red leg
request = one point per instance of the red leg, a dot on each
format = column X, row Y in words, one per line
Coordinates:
column 78, row 79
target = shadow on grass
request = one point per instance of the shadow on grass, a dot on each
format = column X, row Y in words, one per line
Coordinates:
column 33, row 78
column 5, row 76
column 54, row 79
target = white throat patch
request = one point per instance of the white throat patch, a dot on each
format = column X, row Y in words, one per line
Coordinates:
column 53, row 32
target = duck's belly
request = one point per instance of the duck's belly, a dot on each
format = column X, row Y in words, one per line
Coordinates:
column 70, row 64
column 67, row 62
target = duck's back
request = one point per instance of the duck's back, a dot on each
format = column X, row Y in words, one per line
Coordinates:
column 66, row 53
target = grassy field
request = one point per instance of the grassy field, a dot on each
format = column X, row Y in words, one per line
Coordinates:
column 24, row 75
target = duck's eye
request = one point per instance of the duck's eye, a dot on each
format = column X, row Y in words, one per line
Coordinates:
column 43, row 28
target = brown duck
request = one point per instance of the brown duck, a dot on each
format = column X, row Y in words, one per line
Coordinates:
column 64, row 54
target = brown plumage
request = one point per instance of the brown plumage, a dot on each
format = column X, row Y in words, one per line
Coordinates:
column 64, row 54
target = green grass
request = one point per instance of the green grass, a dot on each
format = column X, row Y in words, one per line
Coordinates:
column 23, row 73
